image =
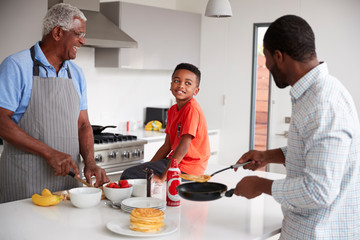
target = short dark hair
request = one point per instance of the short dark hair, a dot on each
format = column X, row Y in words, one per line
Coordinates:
column 293, row 35
column 191, row 68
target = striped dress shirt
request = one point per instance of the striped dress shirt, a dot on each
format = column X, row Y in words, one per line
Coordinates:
column 320, row 196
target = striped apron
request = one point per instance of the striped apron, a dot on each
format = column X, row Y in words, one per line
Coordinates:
column 51, row 117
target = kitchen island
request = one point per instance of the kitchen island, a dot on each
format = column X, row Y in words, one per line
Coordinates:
column 232, row 218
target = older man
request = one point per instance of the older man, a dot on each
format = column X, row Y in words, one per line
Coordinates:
column 320, row 194
column 43, row 112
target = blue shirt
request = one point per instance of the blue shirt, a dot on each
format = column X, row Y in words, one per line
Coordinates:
column 320, row 196
column 16, row 79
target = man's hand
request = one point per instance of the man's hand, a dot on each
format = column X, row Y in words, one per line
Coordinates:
column 253, row 186
column 99, row 173
column 61, row 163
column 257, row 159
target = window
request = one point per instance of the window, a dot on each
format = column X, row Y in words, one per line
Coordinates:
column 260, row 91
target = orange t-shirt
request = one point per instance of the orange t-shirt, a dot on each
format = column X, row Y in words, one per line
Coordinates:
column 190, row 119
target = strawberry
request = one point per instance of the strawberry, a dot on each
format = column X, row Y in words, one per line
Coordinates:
column 113, row 185
column 124, row 184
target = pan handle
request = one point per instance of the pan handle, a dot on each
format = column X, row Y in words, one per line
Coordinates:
column 228, row 193
column 240, row 164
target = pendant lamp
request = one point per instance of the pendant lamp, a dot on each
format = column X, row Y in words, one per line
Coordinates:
column 218, row 8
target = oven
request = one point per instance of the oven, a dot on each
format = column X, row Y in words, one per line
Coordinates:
column 116, row 152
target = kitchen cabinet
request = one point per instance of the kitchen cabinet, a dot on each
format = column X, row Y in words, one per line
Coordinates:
column 165, row 37
column 214, row 139
column 152, row 147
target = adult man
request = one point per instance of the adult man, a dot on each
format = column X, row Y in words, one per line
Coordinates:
column 43, row 112
column 319, row 196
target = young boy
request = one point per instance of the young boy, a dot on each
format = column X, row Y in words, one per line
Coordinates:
column 186, row 139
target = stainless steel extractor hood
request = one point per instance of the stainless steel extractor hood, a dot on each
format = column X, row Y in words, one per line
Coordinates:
column 101, row 32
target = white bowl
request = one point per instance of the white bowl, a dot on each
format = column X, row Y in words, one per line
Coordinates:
column 85, row 197
column 139, row 187
column 116, row 195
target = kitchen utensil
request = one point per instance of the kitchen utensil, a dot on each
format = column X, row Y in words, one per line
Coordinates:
column 139, row 187
column 116, row 195
column 205, row 178
column 142, row 202
column 206, row 191
column 72, row 174
column 97, row 129
column 84, row 197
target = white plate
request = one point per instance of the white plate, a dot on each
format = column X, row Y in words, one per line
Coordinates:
column 143, row 202
column 120, row 226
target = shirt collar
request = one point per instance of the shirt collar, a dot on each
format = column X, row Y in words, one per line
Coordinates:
column 308, row 79
column 40, row 56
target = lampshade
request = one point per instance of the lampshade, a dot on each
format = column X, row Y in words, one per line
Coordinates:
column 218, row 8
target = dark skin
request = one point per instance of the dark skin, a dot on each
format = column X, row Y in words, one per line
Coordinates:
column 184, row 86
column 286, row 72
column 59, row 45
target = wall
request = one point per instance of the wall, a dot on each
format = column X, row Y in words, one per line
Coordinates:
column 226, row 56
column 118, row 95
column 114, row 95
column 225, row 62
column 20, row 24
column 337, row 33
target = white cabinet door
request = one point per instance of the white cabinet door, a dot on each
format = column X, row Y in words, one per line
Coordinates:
column 165, row 37
column 214, row 140
column 151, row 148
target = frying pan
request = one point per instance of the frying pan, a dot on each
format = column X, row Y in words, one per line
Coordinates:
column 98, row 129
column 206, row 191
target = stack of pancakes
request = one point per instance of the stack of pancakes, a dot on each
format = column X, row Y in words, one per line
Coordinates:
column 146, row 219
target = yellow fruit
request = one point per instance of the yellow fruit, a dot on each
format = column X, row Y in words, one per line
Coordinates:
column 46, row 192
column 47, row 199
column 153, row 126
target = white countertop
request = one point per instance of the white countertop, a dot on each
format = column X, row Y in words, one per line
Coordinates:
column 233, row 218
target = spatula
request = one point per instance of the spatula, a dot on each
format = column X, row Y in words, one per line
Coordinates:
column 205, row 178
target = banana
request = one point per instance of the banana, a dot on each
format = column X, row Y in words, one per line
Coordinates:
column 47, row 198
column 46, row 192
column 153, row 126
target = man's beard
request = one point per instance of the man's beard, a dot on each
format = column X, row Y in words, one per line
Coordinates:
column 279, row 77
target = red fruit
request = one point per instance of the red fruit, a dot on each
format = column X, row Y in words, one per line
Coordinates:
column 124, row 184
column 113, row 185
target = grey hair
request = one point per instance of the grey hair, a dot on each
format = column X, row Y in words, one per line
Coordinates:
column 61, row 14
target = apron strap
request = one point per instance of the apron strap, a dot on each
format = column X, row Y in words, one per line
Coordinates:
column 37, row 64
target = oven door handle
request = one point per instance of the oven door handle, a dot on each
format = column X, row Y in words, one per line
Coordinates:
column 114, row 173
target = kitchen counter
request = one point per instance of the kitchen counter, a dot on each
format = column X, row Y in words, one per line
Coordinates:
column 156, row 135
column 233, row 218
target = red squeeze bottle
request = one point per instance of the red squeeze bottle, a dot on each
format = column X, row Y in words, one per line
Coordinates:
column 173, row 180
